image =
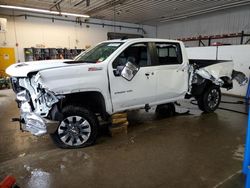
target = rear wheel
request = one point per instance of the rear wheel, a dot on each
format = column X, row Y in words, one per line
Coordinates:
column 78, row 128
column 209, row 101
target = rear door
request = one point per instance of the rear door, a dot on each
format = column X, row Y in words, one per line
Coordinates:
column 171, row 71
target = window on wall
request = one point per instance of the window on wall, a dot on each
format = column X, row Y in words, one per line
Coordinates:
column 168, row 53
column 137, row 53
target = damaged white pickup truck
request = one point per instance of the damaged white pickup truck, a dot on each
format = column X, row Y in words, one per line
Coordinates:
column 65, row 97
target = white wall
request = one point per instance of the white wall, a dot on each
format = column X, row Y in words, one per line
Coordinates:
column 222, row 22
column 32, row 31
column 239, row 54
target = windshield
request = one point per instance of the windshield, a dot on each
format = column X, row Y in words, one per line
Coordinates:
column 98, row 53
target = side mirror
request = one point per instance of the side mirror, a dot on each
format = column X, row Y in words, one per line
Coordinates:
column 129, row 71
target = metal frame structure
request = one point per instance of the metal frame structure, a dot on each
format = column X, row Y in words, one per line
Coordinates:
column 201, row 39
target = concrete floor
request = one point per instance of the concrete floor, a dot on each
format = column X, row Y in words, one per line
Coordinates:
column 185, row 151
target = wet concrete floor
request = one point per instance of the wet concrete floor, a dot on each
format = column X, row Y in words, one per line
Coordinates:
column 185, row 151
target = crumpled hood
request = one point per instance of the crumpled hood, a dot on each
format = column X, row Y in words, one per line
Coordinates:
column 22, row 69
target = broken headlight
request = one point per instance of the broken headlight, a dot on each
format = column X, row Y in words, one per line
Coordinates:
column 23, row 96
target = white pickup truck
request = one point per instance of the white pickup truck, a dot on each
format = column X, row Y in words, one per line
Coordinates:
column 65, row 97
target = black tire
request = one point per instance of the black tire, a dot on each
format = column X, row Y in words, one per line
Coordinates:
column 79, row 128
column 210, row 99
column 200, row 103
column 165, row 110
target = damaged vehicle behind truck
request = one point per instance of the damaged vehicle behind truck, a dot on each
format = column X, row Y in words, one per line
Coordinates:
column 65, row 98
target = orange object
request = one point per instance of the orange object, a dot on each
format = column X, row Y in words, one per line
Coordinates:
column 8, row 182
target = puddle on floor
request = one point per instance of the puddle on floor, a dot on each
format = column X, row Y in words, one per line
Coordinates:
column 238, row 154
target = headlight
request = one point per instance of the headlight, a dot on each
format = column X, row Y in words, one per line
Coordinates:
column 23, row 96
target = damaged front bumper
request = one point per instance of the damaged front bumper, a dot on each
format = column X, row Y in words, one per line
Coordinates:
column 35, row 124
column 35, row 103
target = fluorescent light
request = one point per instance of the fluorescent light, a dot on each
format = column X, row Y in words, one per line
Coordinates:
column 75, row 15
column 44, row 11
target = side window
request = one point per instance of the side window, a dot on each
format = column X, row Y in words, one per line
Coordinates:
column 168, row 53
column 137, row 53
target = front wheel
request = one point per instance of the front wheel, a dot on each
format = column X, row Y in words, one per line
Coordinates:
column 78, row 128
column 209, row 101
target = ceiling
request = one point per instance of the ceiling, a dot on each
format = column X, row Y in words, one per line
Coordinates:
column 151, row 12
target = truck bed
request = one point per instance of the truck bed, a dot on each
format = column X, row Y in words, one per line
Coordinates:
column 206, row 62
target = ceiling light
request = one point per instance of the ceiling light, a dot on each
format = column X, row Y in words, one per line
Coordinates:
column 44, row 11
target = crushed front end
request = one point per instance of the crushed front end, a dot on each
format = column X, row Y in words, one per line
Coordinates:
column 35, row 102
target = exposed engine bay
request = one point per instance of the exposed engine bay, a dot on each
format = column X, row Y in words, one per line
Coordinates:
column 35, row 101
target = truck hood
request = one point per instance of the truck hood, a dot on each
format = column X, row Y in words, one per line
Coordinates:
column 22, row 69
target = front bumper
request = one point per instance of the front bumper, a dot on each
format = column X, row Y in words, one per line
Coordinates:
column 37, row 125
column 34, row 123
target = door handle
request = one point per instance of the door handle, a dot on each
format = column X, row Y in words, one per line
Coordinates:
column 148, row 73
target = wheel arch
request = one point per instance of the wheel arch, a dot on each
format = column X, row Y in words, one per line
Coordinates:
column 199, row 87
column 92, row 100
column 228, row 84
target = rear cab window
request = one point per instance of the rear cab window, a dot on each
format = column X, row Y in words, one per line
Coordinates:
column 168, row 53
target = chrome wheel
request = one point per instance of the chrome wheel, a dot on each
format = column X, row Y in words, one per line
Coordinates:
column 74, row 130
column 213, row 98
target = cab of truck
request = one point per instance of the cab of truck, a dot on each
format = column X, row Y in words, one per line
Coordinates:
column 161, row 76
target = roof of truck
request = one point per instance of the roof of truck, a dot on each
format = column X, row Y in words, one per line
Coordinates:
column 142, row 40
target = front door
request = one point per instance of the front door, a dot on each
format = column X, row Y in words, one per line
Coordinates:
column 141, row 89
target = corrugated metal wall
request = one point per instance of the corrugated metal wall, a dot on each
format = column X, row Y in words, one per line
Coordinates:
column 222, row 22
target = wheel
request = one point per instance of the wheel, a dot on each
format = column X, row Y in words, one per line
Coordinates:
column 79, row 128
column 200, row 103
column 165, row 110
column 210, row 99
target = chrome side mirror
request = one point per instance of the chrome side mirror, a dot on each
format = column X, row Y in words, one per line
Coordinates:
column 129, row 71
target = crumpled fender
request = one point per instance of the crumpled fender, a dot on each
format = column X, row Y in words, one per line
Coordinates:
column 240, row 77
column 217, row 71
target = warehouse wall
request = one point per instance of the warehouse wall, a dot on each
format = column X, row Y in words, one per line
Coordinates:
column 222, row 22
column 60, row 34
